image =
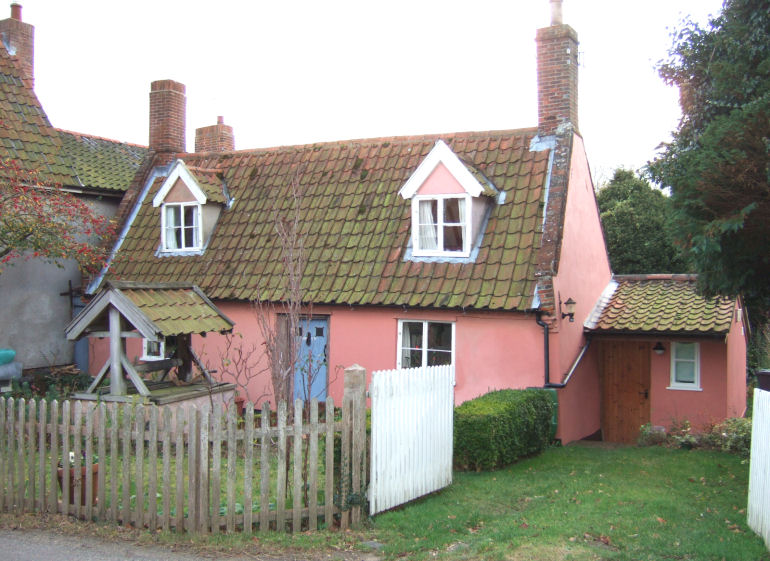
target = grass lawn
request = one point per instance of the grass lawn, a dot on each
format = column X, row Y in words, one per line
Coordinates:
column 573, row 503
column 585, row 503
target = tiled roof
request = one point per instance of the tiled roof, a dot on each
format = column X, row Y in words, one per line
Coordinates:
column 26, row 135
column 70, row 159
column 101, row 163
column 661, row 304
column 177, row 310
column 356, row 228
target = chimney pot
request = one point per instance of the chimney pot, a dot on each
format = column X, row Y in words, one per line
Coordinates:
column 220, row 120
column 556, row 16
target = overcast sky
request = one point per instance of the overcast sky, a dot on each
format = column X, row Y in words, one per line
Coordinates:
column 295, row 72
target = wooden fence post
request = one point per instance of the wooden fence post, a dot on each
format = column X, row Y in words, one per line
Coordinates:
column 353, row 477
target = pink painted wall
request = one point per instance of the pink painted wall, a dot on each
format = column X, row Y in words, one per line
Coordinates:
column 736, row 365
column 584, row 272
column 493, row 350
column 701, row 408
column 440, row 182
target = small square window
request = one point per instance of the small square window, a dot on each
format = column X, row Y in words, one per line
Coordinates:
column 425, row 343
column 441, row 225
column 153, row 350
column 685, row 366
column 181, row 227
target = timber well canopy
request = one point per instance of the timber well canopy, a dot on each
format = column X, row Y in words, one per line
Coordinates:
column 156, row 312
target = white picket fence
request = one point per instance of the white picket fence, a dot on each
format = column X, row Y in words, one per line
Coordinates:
column 412, row 426
column 759, row 474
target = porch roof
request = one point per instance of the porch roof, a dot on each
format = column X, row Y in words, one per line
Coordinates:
column 660, row 304
column 155, row 310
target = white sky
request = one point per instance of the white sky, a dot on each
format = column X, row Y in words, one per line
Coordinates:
column 294, row 72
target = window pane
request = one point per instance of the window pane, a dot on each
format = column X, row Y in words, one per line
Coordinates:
column 412, row 335
column 440, row 336
column 453, row 238
column 452, row 211
column 411, row 358
column 685, row 351
column 685, row 372
column 172, row 237
column 439, row 358
column 426, row 234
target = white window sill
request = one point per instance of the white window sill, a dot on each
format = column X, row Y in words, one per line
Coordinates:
column 685, row 388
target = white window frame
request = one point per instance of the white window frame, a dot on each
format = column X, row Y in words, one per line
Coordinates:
column 147, row 356
column 695, row 384
column 425, row 348
column 466, row 226
column 198, row 242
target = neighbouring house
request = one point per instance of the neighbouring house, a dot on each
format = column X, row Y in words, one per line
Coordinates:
column 39, row 299
column 483, row 250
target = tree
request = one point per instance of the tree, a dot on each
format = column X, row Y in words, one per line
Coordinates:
column 718, row 163
column 635, row 220
column 40, row 220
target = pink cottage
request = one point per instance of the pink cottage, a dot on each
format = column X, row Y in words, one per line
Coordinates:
column 481, row 249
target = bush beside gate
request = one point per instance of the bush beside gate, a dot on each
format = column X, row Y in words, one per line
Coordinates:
column 500, row 427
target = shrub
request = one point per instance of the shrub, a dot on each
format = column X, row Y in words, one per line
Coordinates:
column 500, row 427
column 732, row 435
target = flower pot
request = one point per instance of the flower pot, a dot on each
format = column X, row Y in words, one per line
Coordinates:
column 94, row 483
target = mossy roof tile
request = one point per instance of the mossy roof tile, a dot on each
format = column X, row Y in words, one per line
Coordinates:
column 663, row 304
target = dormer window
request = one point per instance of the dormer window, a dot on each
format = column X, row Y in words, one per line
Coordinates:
column 442, row 225
column 190, row 201
column 450, row 202
column 181, row 226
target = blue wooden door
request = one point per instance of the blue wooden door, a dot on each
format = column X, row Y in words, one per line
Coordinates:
column 310, row 373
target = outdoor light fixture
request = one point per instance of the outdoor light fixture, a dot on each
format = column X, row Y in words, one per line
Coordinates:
column 570, row 307
column 658, row 348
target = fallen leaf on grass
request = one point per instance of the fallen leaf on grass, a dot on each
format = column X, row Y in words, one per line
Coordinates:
column 660, row 520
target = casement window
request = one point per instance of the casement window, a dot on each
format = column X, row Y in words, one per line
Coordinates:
column 181, row 227
column 685, row 366
column 153, row 350
column 425, row 343
column 441, row 225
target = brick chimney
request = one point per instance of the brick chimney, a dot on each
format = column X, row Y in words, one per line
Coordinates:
column 215, row 138
column 19, row 40
column 557, row 75
column 167, row 116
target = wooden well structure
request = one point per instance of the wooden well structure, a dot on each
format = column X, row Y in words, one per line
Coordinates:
column 169, row 312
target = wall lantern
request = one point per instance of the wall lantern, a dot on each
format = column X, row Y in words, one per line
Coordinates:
column 658, row 348
column 570, row 307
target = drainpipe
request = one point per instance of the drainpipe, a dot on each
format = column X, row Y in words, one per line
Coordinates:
column 546, row 353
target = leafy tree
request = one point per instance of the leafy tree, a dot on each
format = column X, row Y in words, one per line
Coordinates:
column 40, row 220
column 718, row 163
column 635, row 220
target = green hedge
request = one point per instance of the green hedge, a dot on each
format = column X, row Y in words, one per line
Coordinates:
column 500, row 427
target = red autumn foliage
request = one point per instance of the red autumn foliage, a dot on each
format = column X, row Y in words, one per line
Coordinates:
column 40, row 220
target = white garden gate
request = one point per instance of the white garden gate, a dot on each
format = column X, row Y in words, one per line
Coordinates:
column 412, row 426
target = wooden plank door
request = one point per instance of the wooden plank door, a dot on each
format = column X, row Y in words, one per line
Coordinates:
column 625, row 377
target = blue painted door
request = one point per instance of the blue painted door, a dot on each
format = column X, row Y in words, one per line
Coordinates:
column 310, row 373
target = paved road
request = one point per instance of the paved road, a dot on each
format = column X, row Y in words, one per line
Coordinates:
column 41, row 545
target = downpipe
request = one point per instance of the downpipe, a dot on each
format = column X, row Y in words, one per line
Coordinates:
column 546, row 351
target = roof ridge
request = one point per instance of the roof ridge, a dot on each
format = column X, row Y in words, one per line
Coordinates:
column 678, row 277
column 374, row 140
column 96, row 137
